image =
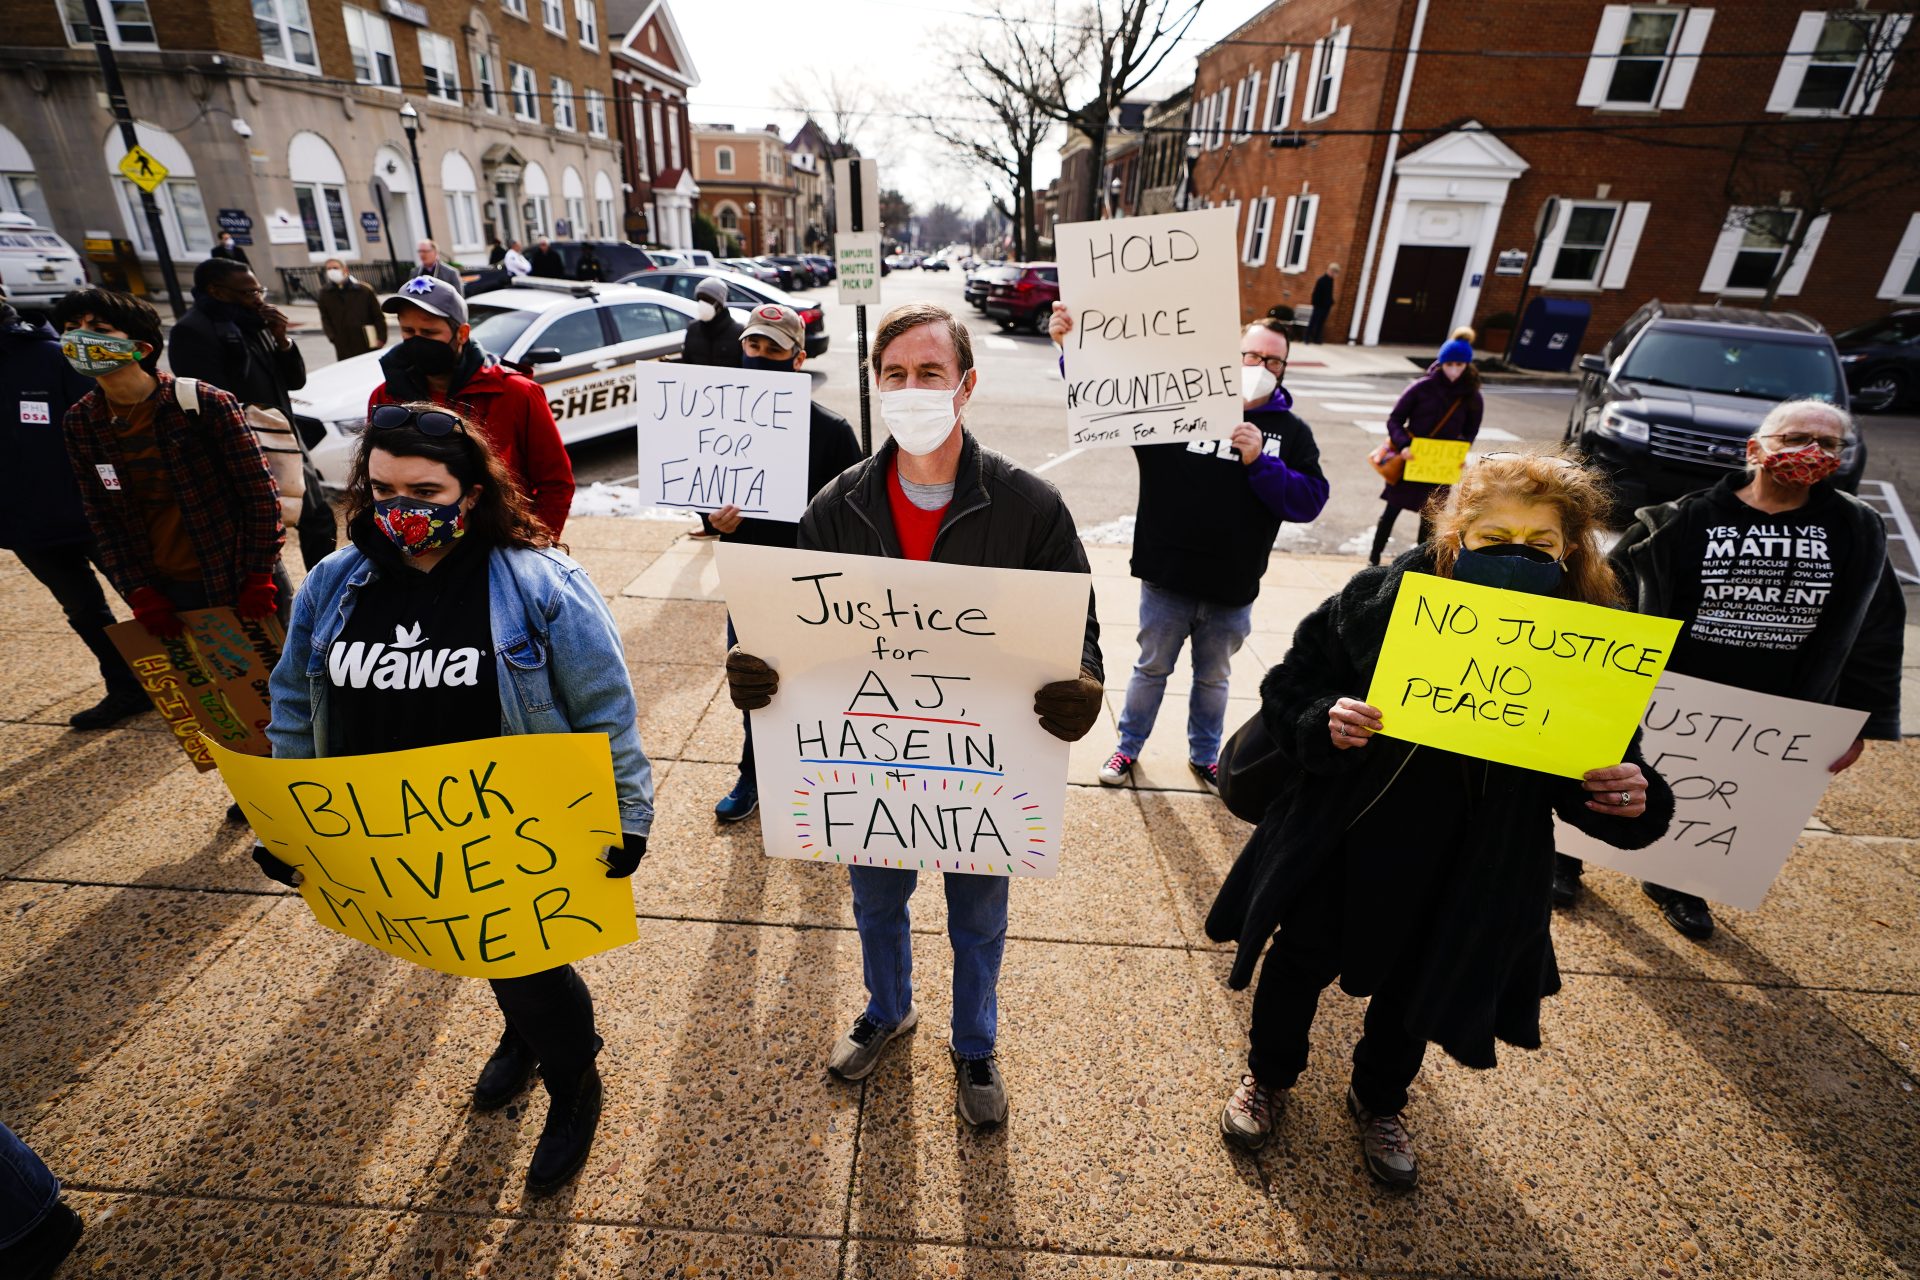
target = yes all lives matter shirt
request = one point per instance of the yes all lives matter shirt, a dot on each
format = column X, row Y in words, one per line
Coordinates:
column 1758, row 587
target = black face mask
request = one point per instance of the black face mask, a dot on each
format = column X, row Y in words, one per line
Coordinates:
column 430, row 356
column 767, row 363
column 1511, row 566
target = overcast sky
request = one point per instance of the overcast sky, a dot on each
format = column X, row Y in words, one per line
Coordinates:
column 745, row 50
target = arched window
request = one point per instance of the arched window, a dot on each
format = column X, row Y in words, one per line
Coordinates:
column 574, row 194
column 603, row 205
column 540, row 197
column 463, row 210
column 183, row 214
column 320, row 192
column 728, row 217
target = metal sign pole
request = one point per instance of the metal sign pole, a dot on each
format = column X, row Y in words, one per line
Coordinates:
column 857, row 212
column 123, row 116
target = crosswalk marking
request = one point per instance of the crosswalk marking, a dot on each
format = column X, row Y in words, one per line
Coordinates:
column 1357, row 406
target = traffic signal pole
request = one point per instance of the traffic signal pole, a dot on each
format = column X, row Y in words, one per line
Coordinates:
column 122, row 116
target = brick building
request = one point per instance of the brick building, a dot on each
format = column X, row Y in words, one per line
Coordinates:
column 1434, row 202
column 281, row 119
column 652, row 75
column 747, row 187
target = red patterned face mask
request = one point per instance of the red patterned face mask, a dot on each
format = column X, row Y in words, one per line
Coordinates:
column 1804, row 467
column 418, row 527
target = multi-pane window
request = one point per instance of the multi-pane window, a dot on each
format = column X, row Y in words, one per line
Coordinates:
column 1323, row 79
column 596, row 113
column 723, row 160
column 553, row 17
column 526, row 94
column 1836, row 61
column 587, row 18
column 1259, row 227
column 488, row 78
column 1643, row 56
column 286, row 33
column 1584, row 245
column 127, row 22
column 439, row 67
column 463, row 216
column 562, row 103
column 1763, row 242
column 323, row 216
column 370, row 41
column 518, row 8
column 1299, row 233
column 183, row 216
column 603, row 207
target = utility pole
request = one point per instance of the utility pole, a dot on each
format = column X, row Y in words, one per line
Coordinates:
column 122, row 116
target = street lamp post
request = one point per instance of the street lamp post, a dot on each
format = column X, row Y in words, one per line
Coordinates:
column 752, row 209
column 1113, row 198
column 410, row 121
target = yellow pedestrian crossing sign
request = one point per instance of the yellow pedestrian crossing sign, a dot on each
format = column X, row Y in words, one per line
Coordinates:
column 142, row 170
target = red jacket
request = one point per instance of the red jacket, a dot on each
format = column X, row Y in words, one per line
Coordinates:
column 512, row 413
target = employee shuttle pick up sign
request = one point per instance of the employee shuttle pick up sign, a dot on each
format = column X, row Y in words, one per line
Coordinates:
column 903, row 733
column 1154, row 356
column 1534, row 681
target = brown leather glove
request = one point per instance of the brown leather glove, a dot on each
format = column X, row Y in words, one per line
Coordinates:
column 1068, row 708
column 751, row 683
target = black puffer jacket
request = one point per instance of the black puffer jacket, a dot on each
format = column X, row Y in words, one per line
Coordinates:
column 37, row 387
column 1477, row 956
column 1001, row 516
column 714, row 342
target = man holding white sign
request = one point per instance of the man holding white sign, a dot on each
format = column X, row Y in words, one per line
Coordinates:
column 932, row 493
column 1784, row 583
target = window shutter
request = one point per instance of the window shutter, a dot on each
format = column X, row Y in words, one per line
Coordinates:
column 1252, row 209
column 1239, row 105
column 1253, row 105
column 1903, row 259
column 1796, row 277
column 1267, row 118
column 1292, row 74
column 1339, row 55
column 1313, row 79
column 1550, row 247
column 1891, row 30
column 1720, row 265
column 1684, row 62
column 1793, row 67
column 1286, row 233
column 1606, row 49
column 1633, row 220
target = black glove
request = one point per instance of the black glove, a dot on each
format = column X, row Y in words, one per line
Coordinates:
column 621, row 862
column 274, row 869
column 1068, row 708
column 751, row 683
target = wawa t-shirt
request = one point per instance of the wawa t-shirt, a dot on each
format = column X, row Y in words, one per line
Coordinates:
column 414, row 666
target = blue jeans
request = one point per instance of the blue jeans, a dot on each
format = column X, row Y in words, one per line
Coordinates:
column 977, row 928
column 1167, row 620
column 27, row 1188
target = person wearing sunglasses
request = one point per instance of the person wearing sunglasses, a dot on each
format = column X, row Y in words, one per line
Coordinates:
column 503, row 634
column 1208, row 516
column 1785, row 588
column 1415, row 876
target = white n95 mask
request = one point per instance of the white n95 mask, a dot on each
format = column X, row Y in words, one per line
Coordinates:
column 920, row 418
column 1256, row 382
column 703, row 311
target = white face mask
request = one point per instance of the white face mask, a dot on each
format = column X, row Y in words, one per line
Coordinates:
column 1256, row 382
column 336, row 276
column 920, row 418
column 704, row 310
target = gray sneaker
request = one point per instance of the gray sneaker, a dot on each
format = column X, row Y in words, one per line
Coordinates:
column 980, row 1095
column 1247, row 1119
column 858, row 1052
column 1386, row 1145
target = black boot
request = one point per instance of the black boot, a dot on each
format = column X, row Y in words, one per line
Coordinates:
column 1566, row 879
column 505, row 1074
column 39, row 1253
column 112, row 709
column 1687, row 913
column 573, row 1113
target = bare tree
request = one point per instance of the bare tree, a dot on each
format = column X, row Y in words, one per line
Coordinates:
column 1092, row 58
column 845, row 103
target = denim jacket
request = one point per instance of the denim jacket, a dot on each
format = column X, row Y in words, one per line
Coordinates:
column 562, row 668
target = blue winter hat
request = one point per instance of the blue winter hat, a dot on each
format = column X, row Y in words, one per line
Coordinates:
column 1456, row 351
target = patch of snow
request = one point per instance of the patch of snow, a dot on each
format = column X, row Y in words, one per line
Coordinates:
column 600, row 499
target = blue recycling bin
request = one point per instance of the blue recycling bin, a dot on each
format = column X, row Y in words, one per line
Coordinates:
column 1550, row 334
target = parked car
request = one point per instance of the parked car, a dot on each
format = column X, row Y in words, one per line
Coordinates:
column 984, row 279
column 935, row 264
column 1667, row 404
column 742, row 295
column 617, row 258
column 823, row 269
column 37, row 267
column 696, row 257
column 1025, row 297
column 804, row 275
column 784, row 275
column 668, row 258
column 749, row 267
column 1882, row 361
column 578, row 341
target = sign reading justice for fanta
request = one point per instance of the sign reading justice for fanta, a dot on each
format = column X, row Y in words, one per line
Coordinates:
column 1534, row 681
column 476, row 858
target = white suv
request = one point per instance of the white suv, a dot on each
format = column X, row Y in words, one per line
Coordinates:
column 37, row 267
column 581, row 341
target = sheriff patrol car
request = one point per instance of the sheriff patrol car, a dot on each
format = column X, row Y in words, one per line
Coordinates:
column 579, row 340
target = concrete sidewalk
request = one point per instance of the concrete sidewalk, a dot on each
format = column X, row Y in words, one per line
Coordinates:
column 230, row 1090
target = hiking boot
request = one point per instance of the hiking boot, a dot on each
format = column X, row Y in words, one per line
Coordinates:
column 980, row 1095
column 111, row 710
column 1685, row 912
column 1566, row 880
column 740, row 802
column 573, row 1114
column 39, row 1253
column 1209, row 775
column 1385, row 1145
column 1117, row 769
column 858, row 1052
column 505, row 1074
column 1247, row 1119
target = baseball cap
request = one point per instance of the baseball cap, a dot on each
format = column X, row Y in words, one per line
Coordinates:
column 782, row 324
column 433, row 295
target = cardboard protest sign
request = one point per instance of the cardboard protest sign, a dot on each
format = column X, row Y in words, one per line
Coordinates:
column 186, row 697
column 713, row 437
column 903, row 733
column 476, row 858
column 238, row 653
column 1155, row 351
column 1746, row 770
column 1436, row 461
column 1535, row 681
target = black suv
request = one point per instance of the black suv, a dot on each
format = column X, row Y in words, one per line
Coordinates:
column 1882, row 361
column 1667, row 405
column 618, row 258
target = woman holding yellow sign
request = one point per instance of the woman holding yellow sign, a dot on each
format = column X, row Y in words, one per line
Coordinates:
column 1416, row 876
column 1444, row 405
column 451, row 618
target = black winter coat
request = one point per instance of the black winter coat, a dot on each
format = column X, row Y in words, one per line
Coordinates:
column 716, row 342
column 1001, row 516
column 1481, row 958
column 240, row 359
column 37, row 387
